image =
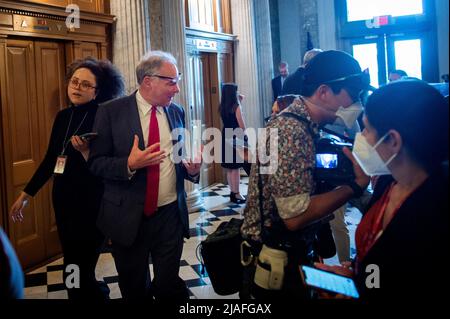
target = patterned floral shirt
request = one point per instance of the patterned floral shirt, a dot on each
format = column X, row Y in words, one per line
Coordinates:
column 289, row 187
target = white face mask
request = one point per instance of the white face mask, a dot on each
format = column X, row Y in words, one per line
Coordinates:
column 348, row 115
column 368, row 158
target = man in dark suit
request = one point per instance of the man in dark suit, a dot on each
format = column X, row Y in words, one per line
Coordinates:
column 277, row 82
column 144, row 209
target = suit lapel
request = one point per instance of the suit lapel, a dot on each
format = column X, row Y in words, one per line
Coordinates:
column 171, row 119
column 134, row 120
column 173, row 124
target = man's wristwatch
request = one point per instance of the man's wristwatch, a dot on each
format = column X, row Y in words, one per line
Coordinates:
column 357, row 190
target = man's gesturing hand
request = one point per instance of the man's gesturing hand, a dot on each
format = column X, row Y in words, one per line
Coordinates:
column 139, row 159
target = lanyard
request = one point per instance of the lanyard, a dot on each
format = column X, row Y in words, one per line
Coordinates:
column 377, row 228
column 65, row 144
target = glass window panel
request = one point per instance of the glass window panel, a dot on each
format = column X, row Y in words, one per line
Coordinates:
column 358, row 10
column 366, row 55
column 408, row 57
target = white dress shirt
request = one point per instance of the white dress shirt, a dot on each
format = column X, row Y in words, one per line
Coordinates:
column 167, row 192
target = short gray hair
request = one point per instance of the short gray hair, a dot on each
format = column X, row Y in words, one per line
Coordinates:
column 151, row 62
column 310, row 54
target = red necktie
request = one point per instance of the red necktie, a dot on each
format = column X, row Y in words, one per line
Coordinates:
column 151, row 197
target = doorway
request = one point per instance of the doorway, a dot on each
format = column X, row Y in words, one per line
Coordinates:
column 387, row 35
column 34, row 94
column 387, row 52
column 207, row 71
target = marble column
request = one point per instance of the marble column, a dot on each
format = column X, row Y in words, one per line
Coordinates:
column 326, row 26
column 156, row 33
column 174, row 41
column 246, row 65
column 264, row 54
column 131, row 37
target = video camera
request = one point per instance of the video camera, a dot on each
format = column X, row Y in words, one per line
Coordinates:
column 333, row 167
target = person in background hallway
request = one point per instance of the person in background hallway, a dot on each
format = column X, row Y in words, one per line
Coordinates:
column 292, row 83
column 76, row 192
column 407, row 225
column 232, row 118
column 396, row 75
column 278, row 82
column 11, row 275
column 144, row 207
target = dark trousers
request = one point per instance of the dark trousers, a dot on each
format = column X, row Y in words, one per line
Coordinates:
column 160, row 236
column 84, row 254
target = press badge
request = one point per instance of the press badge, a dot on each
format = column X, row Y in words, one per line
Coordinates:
column 60, row 164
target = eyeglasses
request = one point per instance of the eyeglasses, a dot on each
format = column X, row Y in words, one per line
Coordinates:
column 84, row 85
column 172, row 80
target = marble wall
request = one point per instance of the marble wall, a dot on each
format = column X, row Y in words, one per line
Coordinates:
column 291, row 20
column 156, row 24
column 264, row 55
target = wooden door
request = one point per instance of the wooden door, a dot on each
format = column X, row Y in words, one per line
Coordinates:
column 208, row 108
column 21, row 132
column 207, row 71
column 35, row 93
column 50, row 84
column 198, row 101
column 86, row 49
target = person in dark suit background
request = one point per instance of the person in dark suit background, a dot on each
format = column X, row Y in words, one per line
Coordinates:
column 396, row 75
column 277, row 82
column 144, row 207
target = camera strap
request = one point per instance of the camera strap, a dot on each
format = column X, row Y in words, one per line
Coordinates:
column 300, row 119
column 269, row 236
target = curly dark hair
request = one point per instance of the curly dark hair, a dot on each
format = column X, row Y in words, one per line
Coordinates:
column 110, row 83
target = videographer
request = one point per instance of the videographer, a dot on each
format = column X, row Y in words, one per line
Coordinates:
column 331, row 85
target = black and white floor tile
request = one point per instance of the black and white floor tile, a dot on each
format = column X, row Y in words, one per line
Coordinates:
column 47, row 281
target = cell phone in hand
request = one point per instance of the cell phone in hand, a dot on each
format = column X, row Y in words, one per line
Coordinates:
column 328, row 281
column 88, row 136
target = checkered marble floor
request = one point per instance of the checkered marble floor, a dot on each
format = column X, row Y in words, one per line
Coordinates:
column 47, row 281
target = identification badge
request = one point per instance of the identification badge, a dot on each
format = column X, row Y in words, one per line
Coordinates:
column 60, row 164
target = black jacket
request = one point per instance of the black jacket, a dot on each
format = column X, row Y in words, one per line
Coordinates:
column 411, row 251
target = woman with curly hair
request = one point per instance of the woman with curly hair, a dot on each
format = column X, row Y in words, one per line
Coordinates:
column 76, row 192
